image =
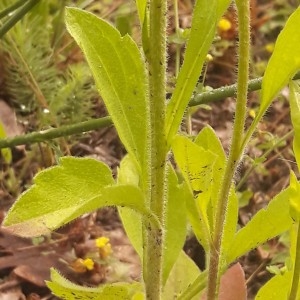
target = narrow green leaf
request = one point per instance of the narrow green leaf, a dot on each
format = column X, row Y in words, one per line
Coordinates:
column 141, row 8
column 176, row 222
column 295, row 116
column 277, row 288
column 182, row 275
column 120, row 75
column 63, row 193
column 66, row 290
column 205, row 16
column 283, row 64
column 266, row 224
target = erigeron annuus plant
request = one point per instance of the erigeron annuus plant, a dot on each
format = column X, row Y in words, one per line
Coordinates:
column 154, row 204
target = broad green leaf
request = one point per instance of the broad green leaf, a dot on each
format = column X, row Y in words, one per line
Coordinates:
column 175, row 222
column 131, row 220
column 183, row 273
column 208, row 140
column 266, row 224
column 66, row 290
column 294, row 197
column 295, row 116
column 63, row 193
column 6, row 152
column 283, row 64
column 277, row 288
column 119, row 72
column 196, row 165
column 205, row 16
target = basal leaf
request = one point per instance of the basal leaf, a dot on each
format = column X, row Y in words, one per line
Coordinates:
column 283, row 64
column 205, row 16
column 175, row 223
column 63, row 193
column 266, row 224
column 295, row 116
column 277, row 288
column 66, row 290
column 119, row 72
column 182, row 275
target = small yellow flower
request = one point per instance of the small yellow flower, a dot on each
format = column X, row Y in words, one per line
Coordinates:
column 270, row 47
column 88, row 263
column 224, row 24
column 104, row 247
column 82, row 265
column 102, row 241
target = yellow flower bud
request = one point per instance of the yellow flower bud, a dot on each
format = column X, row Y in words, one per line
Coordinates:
column 224, row 24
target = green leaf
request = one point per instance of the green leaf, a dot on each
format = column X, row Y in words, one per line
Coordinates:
column 63, row 193
column 182, row 275
column 277, row 288
column 196, row 165
column 66, row 290
column 283, row 64
column 208, row 140
column 230, row 225
column 295, row 116
column 141, row 8
column 120, row 76
column 6, row 152
column 205, row 16
column 176, row 222
column 266, row 224
column 131, row 220
column 294, row 197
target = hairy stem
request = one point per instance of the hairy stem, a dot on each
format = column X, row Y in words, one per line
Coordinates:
column 215, row 263
column 156, row 57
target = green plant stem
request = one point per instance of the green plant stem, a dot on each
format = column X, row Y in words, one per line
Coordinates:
column 296, row 274
column 49, row 134
column 6, row 11
column 215, row 263
column 203, row 98
column 156, row 57
column 20, row 13
column 227, row 91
